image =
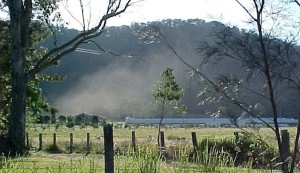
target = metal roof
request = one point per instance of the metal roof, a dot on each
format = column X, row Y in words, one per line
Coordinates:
column 208, row 121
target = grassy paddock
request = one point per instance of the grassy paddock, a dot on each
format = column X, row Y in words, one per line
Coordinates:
column 143, row 134
column 177, row 139
column 146, row 160
column 41, row 162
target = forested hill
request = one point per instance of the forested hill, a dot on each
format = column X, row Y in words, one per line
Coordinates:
column 117, row 77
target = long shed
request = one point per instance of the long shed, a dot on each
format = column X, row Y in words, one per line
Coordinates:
column 210, row 122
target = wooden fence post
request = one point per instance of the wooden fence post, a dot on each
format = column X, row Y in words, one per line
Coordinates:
column 194, row 140
column 40, row 141
column 88, row 142
column 27, row 140
column 109, row 148
column 236, row 134
column 71, row 142
column 54, row 139
column 162, row 139
column 133, row 143
column 285, row 142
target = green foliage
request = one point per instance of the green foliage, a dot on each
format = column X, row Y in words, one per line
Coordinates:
column 53, row 148
column 78, row 120
column 62, row 119
column 70, row 122
column 38, row 31
column 83, row 125
column 5, row 77
column 46, row 119
column 144, row 159
column 167, row 91
column 95, row 126
column 95, row 120
column 102, row 122
column 53, row 119
column 35, row 102
column 246, row 149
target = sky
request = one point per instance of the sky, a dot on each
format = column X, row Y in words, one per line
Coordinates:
column 105, row 82
column 152, row 10
column 225, row 11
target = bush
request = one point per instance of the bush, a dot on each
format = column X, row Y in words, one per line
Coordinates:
column 56, row 126
column 53, row 148
column 95, row 126
column 45, row 119
column 70, row 124
column 62, row 119
column 95, row 120
column 78, row 120
column 246, row 149
column 83, row 125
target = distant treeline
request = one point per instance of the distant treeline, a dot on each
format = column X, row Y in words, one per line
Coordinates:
column 118, row 80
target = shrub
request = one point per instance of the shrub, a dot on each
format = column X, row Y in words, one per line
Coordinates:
column 250, row 148
column 62, row 119
column 70, row 124
column 46, row 119
column 95, row 126
column 78, row 120
column 246, row 149
column 95, row 119
column 53, row 148
column 56, row 126
column 53, row 118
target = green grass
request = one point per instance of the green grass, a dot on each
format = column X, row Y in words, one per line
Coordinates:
column 142, row 132
column 42, row 162
column 144, row 135
column 178, row 144
column 145, row 160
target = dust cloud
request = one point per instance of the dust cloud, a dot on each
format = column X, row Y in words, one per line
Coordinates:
column 110, row 88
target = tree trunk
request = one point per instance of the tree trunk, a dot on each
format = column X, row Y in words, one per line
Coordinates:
column 16, row 132
column 268, row 75
column 1, row 90
column 162, row 112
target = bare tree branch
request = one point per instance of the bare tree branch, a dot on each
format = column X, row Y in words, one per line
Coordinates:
column 246, row 9
column 82, row 14
column 296, row 145
column 73, row 17
column 71, row 45
column 196, row 71
column 297, row 2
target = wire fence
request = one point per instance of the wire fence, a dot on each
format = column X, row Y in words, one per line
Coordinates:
column 91, row 153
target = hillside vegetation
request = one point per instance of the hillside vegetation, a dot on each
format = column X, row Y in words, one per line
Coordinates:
column 117, row 80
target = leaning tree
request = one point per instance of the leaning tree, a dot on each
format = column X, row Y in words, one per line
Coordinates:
column 268, row 54
column 22, row 13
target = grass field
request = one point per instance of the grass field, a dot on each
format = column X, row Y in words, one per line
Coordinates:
column 41, row 162
column 146, row 161
column 143, row 134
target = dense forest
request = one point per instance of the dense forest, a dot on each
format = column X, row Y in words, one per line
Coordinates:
column 115, row 77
